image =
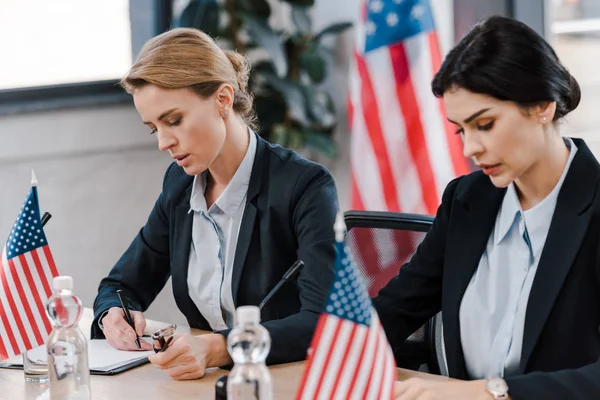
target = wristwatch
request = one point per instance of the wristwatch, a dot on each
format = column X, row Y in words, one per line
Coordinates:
column 497, row 387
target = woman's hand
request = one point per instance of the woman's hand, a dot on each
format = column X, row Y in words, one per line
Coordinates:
column 187, row 357
column 423, row 389
column 119, row 334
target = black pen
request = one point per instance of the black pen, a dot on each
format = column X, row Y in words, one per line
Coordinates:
column 128, row 317
column 286, row 277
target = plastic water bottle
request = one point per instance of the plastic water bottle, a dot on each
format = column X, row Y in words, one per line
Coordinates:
column 249, row 344
column 68, row 368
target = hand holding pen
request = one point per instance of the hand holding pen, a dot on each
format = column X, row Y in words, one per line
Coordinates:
column 121, row 334
column 120, row 325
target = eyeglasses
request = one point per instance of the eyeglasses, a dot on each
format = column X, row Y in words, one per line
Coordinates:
column 162, row 338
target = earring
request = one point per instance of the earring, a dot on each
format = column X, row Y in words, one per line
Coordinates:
column 224, row 113
column 544, row 119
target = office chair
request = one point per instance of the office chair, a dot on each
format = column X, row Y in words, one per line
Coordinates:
column 381, row 243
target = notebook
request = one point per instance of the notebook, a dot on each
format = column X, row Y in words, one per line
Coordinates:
column 103, row 358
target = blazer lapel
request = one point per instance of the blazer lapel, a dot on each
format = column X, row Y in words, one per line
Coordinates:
column 473, row 217
column 182, row 241
column 567, row 231
column 259, row 169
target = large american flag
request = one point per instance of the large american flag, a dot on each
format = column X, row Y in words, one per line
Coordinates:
column 349, row 357
column 403, row 151
column 26, row 273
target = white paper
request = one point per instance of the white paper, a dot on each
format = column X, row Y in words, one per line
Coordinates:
column 101, row 356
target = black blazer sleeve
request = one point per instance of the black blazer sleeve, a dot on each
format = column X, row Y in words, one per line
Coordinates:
column 142, row 271
column 313, row 217
column 580, row 383
column 314, row 208
column 415, row 294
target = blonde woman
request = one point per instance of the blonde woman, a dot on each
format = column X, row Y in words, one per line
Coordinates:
column 234, row 214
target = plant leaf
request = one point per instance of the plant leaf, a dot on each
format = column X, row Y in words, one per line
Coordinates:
column 321, row 142
column 295, row 140
column 279, row 135
column 301, row 2
column 301, row 19
column 314, row 64
column 258, row 8
column 293, row 95
column 338, row 27
column 320, row 107
column 271, row 108
column 201, row 14
column 262, row 34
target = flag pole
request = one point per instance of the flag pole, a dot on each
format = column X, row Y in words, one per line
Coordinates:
column 34, row 181
column 339, row 227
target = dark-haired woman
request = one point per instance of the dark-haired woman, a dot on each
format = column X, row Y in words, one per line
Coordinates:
column 513, row 257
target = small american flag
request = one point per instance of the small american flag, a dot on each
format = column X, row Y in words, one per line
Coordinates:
column 26, row 273
column 349, row 357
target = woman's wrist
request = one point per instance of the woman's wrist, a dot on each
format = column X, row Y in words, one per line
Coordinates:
column 217, row 355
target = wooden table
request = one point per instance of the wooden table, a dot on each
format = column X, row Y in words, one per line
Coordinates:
column 148, row 382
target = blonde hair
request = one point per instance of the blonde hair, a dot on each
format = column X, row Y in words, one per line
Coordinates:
column 189, row 58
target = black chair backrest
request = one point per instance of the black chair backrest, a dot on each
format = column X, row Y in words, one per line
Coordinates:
column 381, row 243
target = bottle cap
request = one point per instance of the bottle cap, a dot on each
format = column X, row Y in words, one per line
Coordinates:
column 63, row 282
column 248, row 314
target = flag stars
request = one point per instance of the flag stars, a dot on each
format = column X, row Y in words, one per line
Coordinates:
column 376, row 6
column 371, row 28
column 417, row 12
column 392, row 19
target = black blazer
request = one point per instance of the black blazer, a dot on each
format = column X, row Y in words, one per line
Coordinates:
column 290, row 211
column 561, row 343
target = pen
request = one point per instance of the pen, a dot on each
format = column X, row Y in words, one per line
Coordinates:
column 128, row 317
column 286, row 277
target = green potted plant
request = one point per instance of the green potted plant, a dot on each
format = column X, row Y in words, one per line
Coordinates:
column 288, row 66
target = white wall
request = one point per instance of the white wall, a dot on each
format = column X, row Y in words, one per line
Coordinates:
column 99, row 171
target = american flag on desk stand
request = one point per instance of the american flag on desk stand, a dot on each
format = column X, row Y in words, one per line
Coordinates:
column 403, row 150
column 26, row 273
column 349, row 357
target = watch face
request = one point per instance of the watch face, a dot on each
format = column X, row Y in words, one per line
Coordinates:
column 497, row 386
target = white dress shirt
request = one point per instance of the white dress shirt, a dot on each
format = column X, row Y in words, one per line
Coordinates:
column 492, row 311
column 214, row 240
